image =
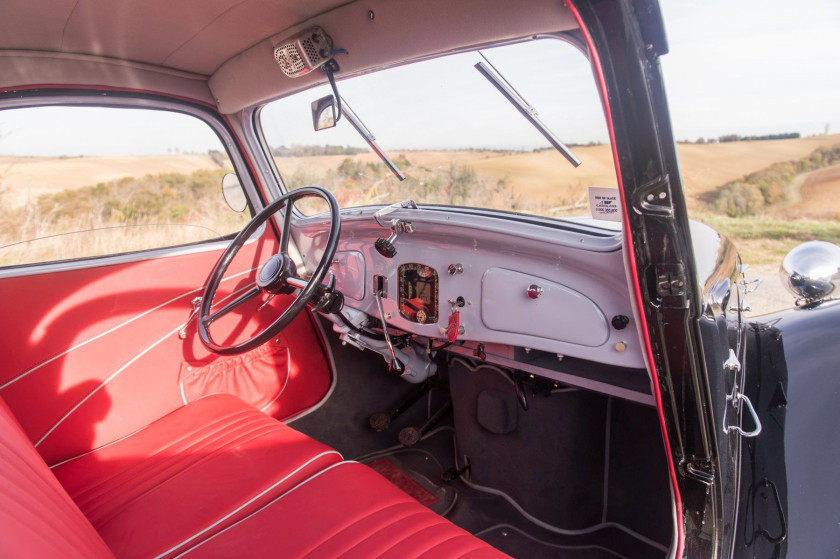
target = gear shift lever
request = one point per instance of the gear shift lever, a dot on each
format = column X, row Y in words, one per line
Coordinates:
column 395, row 365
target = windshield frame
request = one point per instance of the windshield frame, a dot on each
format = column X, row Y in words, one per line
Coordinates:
column 572, row 37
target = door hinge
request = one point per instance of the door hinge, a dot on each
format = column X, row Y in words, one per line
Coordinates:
column 670, row 280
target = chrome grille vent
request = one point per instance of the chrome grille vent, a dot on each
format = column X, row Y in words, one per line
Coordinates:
column 303, row 52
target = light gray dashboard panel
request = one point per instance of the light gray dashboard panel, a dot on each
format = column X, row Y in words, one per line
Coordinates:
column 558, row 313
column 349, row 270
column 583, row 261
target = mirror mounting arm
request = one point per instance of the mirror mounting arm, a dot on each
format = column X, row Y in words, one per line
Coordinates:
column 330, row 68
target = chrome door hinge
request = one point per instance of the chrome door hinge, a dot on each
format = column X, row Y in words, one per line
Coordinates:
column 671, row 285
column 670, row 280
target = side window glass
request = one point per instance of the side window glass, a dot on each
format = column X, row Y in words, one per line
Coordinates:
column 78, row 182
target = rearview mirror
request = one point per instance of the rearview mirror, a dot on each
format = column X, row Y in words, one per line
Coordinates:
column 233, row 193
column 323, row 113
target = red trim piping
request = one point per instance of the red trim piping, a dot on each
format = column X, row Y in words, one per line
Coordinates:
column 637, row 291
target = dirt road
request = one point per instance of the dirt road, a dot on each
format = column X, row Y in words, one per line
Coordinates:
column 771, row 295
column 819, row 196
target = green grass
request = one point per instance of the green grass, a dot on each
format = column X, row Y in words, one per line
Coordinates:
column 766, row 240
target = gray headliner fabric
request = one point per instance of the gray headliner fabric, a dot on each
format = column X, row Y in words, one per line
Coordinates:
column 231, row 42
column 192, row 35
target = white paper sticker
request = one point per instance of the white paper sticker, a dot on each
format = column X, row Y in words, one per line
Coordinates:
column 604, row 203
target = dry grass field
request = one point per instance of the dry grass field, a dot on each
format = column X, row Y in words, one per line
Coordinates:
column 542, row 174
column 541, row 182
column 26, row 178
column 704, row 167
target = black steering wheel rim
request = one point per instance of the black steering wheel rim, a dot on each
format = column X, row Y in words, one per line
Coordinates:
column 307, row 288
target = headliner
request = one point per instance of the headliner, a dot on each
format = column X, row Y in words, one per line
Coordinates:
column 196, row 36
column 219, row 51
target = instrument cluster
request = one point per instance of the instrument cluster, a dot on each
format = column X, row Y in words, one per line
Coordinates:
column 418, row 293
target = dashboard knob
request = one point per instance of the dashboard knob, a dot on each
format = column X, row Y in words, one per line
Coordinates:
column 385, row 247
column 455, row 269
column 534, row 291
column 620, row 322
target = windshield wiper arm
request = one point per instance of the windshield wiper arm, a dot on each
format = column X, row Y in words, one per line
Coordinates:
column 370, row 139
column 530, row 114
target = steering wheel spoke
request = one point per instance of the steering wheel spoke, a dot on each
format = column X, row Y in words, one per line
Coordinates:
column 297, row 283
column 286, row 232
column 275, row 275
column 241, row 300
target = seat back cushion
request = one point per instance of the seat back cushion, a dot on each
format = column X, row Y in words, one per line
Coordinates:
column 37, row 517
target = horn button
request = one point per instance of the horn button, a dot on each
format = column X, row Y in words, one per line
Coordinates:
column 274, row 273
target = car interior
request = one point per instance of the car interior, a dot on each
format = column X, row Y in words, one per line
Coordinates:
column 378, row 347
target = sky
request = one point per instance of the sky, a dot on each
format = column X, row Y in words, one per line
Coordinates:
column 734, row 67
column 752, row 66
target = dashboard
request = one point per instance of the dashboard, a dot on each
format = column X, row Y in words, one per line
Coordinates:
column 549, row 299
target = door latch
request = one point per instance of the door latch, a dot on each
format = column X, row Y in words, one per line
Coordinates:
column 735, row 399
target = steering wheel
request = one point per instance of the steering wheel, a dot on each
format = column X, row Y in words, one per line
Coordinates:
column 276, row 275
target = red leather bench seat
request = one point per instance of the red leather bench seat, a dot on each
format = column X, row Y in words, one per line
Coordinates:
column 344, row 511
column 214, row 478
column 37, row 517
column 205, row 464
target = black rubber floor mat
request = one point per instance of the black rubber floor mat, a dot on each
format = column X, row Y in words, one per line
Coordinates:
column 517, row 544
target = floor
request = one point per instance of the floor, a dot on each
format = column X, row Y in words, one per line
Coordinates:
column 588, row 512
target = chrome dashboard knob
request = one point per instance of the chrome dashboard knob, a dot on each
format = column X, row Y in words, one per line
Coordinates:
column 455, row 269
column 534, row 291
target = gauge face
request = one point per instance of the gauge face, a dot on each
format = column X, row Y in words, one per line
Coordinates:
column 418, row 297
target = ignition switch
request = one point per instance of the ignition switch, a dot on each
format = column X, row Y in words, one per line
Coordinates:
column 454, row 327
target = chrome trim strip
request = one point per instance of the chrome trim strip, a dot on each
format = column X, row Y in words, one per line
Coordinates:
column 249, row 501
column 123, row 258
column 113, row 260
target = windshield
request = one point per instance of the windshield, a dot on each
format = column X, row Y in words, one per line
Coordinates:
column 455, row 135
